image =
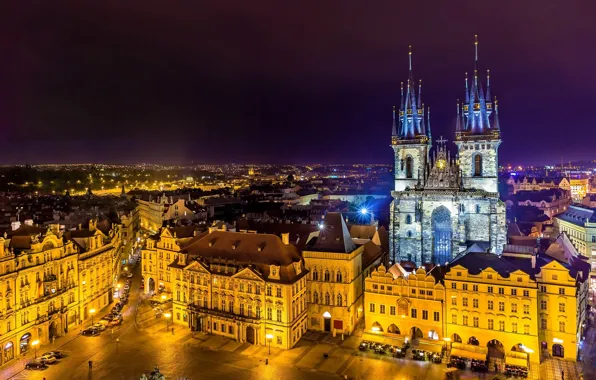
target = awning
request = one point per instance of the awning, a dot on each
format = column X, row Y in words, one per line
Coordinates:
column 377, row 338
column 437, row 348
column 468, row 354
column 516, row 361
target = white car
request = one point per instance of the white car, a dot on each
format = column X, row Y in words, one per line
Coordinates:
column 130, row 275
column 100, row 326
column 47, row 359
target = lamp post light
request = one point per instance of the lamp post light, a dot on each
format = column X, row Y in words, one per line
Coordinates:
column 92, row 311
column 34, row 344
column 269, row 339
column 167, row 315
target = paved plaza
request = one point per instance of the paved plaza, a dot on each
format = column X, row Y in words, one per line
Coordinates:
column 137, row 346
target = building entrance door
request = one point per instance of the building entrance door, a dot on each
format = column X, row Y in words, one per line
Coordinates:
column 250, row 335
column 327, row 324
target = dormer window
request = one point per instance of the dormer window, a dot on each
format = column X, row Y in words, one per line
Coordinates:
column 274, row 272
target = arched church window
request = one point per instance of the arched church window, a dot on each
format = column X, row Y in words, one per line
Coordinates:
column 315, row 275
column 315, row 297
column 478, row 165
column 326, row 275
column 339, row 300
column 408, row 219
column 477, row 209
column 338, row 277
column 409, row 234
column 327, row 299
column 409, row 167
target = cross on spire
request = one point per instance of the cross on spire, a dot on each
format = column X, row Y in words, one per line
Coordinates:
column 441, row 140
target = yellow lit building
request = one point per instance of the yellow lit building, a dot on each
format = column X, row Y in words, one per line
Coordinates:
column 579, row 188
column 245, row 286
column 579, row 224
column 400, row 305
column 150, row 215
column 337, row 268
column 518, row 308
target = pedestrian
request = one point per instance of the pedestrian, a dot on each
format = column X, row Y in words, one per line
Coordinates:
column 90, row 365
column 563, row 374
column 172, row 331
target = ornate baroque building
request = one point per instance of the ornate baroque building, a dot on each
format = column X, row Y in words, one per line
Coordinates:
column 443, row 203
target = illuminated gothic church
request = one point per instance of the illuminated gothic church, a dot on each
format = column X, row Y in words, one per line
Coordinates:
column 443, row 204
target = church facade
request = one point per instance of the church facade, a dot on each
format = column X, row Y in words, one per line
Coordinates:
column 443, row 204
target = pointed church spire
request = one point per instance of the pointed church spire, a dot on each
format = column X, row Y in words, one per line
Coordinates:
column 422, row 126
column 394, row 127
column 420, row 94
column 497, row 124
column 488, row 98
column 458, row 119
column 430, row 136
column 410, row 57
column 467, row 91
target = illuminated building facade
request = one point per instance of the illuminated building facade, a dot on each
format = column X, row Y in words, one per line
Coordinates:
column 579, row 224
column 517, row 308
column 150, row 215
column 442, row 204
column 337, row 268
column 245, row 286
column 579, row 188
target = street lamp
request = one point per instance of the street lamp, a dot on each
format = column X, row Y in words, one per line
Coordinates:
column 34, row 344
column 269, row 339
column 447, row 340
column 167, row 315
column 92, row 311
column 118, row 289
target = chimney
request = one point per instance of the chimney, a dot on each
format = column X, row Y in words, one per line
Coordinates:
column 285, row 238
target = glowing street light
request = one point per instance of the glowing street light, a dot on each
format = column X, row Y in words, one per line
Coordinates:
column 34, row 344
column 92, row 311
column 364, row 211
column 269, row 339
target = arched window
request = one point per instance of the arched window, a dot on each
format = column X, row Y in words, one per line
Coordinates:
column 315, row 275
column 408, row 219
column 326, row 275
column 409, row 167
column 315, row 297
column 339, row 300
column 327, row 299
column 477, row 209
column 478, row 165
column 409, row 234
column 338, row 277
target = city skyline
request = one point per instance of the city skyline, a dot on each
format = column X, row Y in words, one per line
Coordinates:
column 282, row 85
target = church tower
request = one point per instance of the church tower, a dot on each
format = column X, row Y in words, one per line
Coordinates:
column 478, row 133
column 410, row 138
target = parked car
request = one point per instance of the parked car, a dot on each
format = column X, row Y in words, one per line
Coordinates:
column 124, row 299
column 56, row 354
column 91, row 331
column 130, row 275
column 34, row 364
column 108, row 317
column 47, row 359
column 99, row 326
column 116, row 321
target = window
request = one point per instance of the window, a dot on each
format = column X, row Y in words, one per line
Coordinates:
column 372, row 307
column 542, row 304
column 514, row 308
column 465, row 320
column 501, row 325
column 214, row 326
column 490, row 289
column 526, row 309
column 501, row 290
column 475, row 303
column 241, row 309
column 543, row 288
column 526, row 293
column 230, row 329
column 258, row 312
column 475, row 288
column 514, row 327
column 315, row 275
column 269, row 313
column 249, row 313
column 513, row 292
column 465, row 286
column 501, row 306
column 489, row 276
column 465, row 301
column 477, row 209
column 414, row 313
column 315, row 297
column 478, row 165
column 543, row 324
column 409, row 167
column 454, row 319
column 562, row 291
column 338, row 277
column 279, row 340
column 339, row 300
column 425, row 314
column 490, row 305
column 278, row 315
column 527, row 329
column 278, row 292
column 413, row 291
column 327, row 276
column 454, row 285
column 269, row 290
column 491, row 324
column 475, row 321
column 453, row 301
column 382, row 309
column 562, row 307
column 327, row 299
column 436, row 316
column 408, row 219
column 555, row 277
column 421, row 291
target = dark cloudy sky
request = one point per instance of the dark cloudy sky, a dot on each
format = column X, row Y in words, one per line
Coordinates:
column 264, row 81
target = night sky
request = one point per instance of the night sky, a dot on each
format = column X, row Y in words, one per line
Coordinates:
column 266, row 82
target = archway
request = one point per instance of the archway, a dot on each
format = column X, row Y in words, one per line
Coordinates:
column 409, row 167
column 53, row 329
column 416, row 333
column 24, row 344
column 150, row 285
column 478, row 165
column 496, row 349
column 473, row 341
column 8, row 352
column 250, row 335
column 456, row 338
column 376, row 327
column 558, row 351
column 393, row 329
column 327, row 321
column 442, row 233
column 432, row 334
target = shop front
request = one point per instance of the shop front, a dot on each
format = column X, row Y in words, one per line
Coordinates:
column 7, row 352
column 25, row 343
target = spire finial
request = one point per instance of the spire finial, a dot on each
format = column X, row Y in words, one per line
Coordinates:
column 476, row 47
column 394, row 126
column 410, row 56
